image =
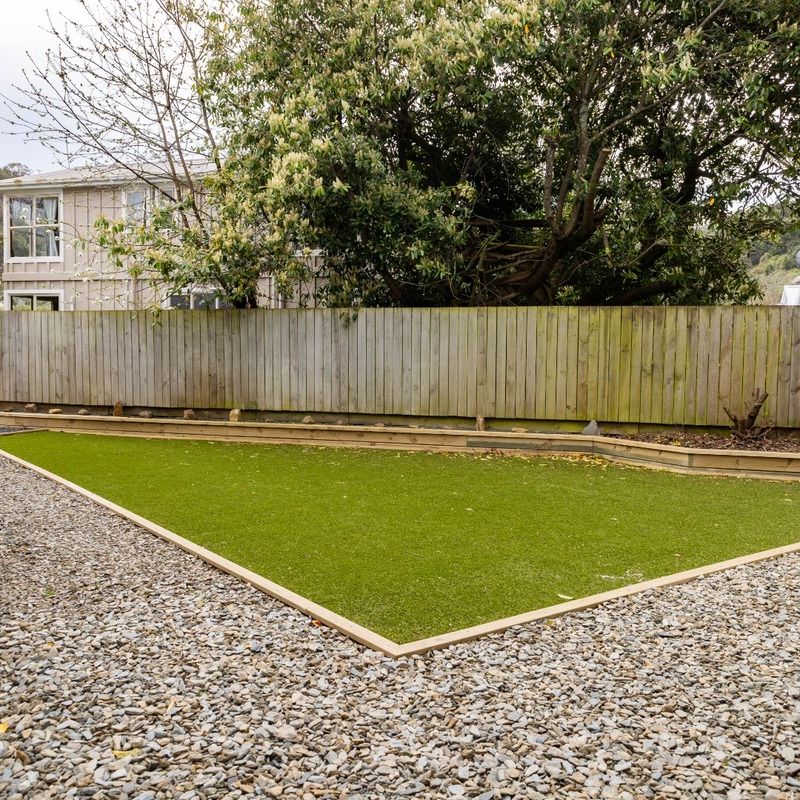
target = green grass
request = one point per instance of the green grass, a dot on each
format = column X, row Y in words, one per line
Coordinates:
column 415, row 544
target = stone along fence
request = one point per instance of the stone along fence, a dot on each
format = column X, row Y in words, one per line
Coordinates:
column 662, row 365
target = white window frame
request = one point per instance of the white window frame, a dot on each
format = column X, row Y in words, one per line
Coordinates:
column 126, row 206
column 152, row 198
column 33, row 259
column 191, row 293
column 9, row 293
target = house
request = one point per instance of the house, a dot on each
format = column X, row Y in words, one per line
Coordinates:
column 791, row 292
column 50, row 262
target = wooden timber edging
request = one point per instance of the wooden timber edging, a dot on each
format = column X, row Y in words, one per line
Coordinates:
column 375, row 641
column 730, row 463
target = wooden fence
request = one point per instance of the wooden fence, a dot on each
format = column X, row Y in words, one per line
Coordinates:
column 651, row 365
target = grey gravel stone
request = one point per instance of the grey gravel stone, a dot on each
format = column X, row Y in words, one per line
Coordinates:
column 131, row 670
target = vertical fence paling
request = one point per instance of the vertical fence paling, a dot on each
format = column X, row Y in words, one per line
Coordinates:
column 651, row 365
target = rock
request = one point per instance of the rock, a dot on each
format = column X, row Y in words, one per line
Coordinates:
column 188, row 413
column 31, row 407
column 287, row 732
column 308, row 420
column 119, row 409
column 592, row 429
column 56, row 411
column 235, row 415
column 146, row 414
column 480, row 423
column 207, row 688
column 519, row 430
column 84, row 412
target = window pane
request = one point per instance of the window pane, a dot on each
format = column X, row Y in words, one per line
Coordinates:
column 20, row 243
column 46, row 210
column 21, row 302
column 178, row 301
column 48, row 243
column 20, row 210
column 203, row 300
column 165, row 196
column 135, row 207
column 45, row 303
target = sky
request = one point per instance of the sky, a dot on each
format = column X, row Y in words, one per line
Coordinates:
column 21, row 32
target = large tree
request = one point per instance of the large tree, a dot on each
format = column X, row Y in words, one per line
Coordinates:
column 522, row 151
column 123, row 86
column 14, row 169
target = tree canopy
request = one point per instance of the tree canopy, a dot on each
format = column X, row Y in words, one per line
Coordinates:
column 441, row 152
column 123, row 85
column 527, row 151
column 14, row 170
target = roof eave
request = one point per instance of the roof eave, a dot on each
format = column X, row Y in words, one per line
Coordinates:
column 14, row 184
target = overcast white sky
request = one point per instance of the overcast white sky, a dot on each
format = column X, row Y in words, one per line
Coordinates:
column 21, row 31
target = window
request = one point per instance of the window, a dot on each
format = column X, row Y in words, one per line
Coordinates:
column 205, row 300
column 33, row 228
column 140, row 203
column 136, row 206
column 180, row 301
column 196, row 299
column 34, row 302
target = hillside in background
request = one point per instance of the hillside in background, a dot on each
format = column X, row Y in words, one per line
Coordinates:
column 773, row 265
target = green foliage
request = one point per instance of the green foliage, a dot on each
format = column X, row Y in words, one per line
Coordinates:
column 772, row 263
column 14, row 170
column 176, row 248
column 466, row 152
column 468, row 539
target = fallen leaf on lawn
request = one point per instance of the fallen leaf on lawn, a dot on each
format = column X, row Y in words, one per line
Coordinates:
column 126, row 753
column 3, row 727
column 565, row 597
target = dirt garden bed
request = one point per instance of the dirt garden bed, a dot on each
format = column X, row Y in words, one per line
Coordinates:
column 715, row 441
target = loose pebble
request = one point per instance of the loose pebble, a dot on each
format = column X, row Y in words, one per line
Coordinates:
column 131, row 670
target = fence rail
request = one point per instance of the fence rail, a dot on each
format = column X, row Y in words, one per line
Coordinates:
column 668, row 365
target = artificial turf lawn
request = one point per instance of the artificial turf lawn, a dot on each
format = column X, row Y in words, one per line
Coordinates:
column 412, row 544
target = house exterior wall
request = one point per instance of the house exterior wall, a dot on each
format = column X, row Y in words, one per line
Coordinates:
column 84, row 279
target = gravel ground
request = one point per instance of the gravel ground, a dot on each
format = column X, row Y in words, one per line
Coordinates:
column 128, row 669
